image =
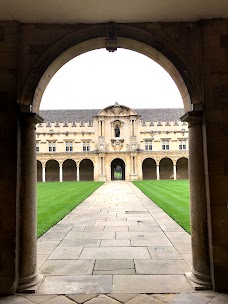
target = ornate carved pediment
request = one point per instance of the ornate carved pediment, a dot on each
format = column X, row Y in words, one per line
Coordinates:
column 117, row 110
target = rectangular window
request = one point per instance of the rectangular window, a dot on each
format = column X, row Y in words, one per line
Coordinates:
column 69, row 146
column 86, row 146
column 165, row 145
column 182, row 145
column 51, row 146
column 37, row 147
column 148, row 145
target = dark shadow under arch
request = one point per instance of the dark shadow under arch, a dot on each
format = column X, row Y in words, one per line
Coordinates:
column 166, row 168
column 52, row 171
column 182, row 168
column 39, row 171
column 86, row 170
column 149, row 169
column 69, row 170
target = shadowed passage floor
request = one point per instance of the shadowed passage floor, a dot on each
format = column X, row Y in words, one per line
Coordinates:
column 116, row 241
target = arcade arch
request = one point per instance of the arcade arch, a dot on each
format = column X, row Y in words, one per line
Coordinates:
column 182, row 168
column 39, row 171
column 166, row 168
column 149, row 169
column 52, row 170
column 117, row 169
column 69, row 170
column 86, row 170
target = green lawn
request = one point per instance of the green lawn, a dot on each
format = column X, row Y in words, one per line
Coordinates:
column 171, row 196
column 55, row 200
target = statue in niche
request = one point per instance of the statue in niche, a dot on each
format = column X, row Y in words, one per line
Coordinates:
column 117, row 131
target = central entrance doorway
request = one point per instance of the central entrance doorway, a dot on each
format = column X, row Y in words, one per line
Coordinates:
column 117, row 169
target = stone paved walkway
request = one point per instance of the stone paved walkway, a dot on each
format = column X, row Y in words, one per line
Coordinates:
column 117, row 241
column 116, row 247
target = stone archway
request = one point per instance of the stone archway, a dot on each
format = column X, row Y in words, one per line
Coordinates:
column 149, row 168
column 86, row 170
column 166, row 168
column 52, row 171
column 39, row 171
column 117, row 169
column 69, row 170
column 182, row 168
column 144, row 42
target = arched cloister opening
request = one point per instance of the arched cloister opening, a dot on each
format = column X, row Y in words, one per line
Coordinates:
column 69, row 170
column 118, row 169
column 182, row 168
column 149, row 169
column 166, row 168
column 39, row 171
column 86, row 170
column 52, row 171
column 143, row 43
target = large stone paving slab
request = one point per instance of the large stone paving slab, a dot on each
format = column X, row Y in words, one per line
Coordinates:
column 150, row 284
column 114, row 267
column 161, row 267
column 115, row 253
column 67, row 267
column 66, row 253
column 140, row 235
column 91, row 235
column 76, row 284
column 80, row 243
column 164, row 253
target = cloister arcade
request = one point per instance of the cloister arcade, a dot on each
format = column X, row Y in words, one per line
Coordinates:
column 83, row 170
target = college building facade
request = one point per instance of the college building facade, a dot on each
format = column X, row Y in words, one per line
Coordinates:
column 116, row 142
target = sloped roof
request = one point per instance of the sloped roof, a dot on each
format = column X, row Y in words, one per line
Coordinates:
column 87, row 115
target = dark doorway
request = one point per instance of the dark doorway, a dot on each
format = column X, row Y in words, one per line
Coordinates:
column 118, row 169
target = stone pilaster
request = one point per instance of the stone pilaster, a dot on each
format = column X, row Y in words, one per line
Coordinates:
column 200, row 273
column 28, row 276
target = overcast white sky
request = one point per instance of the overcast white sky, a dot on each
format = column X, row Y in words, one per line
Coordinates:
column 97, row 79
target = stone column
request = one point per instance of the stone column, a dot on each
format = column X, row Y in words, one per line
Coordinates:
column 174, row 171
column 158, row 172
column 200, row 273
column 78, row 176
column 28, row 276
column 43, row 172
column 60, row 172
